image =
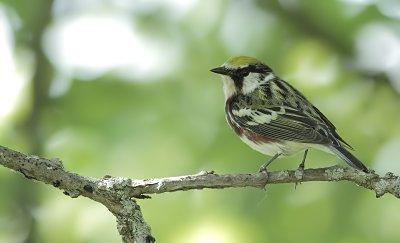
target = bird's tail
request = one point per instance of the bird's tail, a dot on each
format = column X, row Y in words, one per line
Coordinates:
column 349, row 158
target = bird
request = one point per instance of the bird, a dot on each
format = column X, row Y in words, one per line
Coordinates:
column 273, row 117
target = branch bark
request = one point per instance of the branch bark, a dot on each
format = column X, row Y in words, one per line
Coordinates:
column 107, row 191
column 118, row 194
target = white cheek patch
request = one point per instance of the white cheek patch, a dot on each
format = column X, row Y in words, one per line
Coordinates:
column 250, row 83
column 253, row 81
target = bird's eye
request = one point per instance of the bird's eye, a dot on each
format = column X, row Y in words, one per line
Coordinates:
column 245, row 73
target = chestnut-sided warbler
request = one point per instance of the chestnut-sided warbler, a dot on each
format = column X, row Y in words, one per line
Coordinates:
column 273, row 117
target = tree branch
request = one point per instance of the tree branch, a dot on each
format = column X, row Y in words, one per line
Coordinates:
column 117, row 193
column 130, row 222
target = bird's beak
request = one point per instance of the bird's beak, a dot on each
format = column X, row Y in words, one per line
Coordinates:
column 220, row 70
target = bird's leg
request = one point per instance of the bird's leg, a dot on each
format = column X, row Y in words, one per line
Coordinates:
column 263, row 167
column 301, row 165
column 300, row 170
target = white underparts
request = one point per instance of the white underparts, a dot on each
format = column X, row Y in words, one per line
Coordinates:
column 285, row 148
column 264, row 148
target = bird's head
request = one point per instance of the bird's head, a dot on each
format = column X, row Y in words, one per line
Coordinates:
column 243, row 75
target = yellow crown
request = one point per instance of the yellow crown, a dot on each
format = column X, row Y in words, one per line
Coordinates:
column 241, row 61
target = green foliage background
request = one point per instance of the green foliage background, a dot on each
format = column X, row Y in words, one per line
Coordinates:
column 174, row 125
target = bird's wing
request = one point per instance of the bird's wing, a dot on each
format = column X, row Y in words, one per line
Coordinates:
column 311, row 111
column 287, row 116
column 280, row 123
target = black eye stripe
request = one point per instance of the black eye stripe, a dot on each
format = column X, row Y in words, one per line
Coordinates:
column 252, row 68
column 239, row 74
column 243, row 72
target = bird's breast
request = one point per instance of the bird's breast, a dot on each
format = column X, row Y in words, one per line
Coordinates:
column 241, row 131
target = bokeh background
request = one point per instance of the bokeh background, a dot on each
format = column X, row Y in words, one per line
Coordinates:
column 123, row 88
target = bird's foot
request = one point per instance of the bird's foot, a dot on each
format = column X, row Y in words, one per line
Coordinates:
column 263, row 169
column 264, row 173
column 299, row 174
